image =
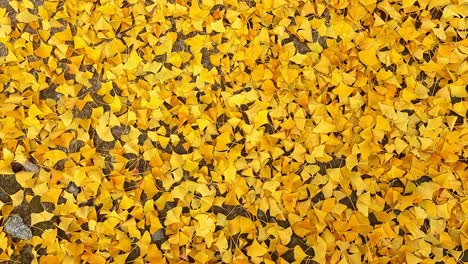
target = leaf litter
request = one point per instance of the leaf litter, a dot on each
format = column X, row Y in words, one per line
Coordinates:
column 233, row 131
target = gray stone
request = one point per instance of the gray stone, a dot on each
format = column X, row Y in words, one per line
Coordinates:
column 31, row 167
column 16, row 228
column 72, row 188
column 3, row 50
column 159, row 236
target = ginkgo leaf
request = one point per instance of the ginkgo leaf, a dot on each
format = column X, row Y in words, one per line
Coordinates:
column 55, row 155
column 363, row 203
column 367, row 2
column 230, row 174
column 173, row 216
column 34, row 111
column 369, row 57
column 104, row 132
column 324, row 127
column 218, row 26
column 382, row 124
column 285, row 235
column 206, row 225
column 43, row 51
column 343, row 90
column 222, row 140
column 26, row 17
column 256, row 250
column 261, row 118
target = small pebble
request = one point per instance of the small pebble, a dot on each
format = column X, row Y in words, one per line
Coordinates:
column 159, row 236
column 72, row 188
column 31, row 167
column 16, row 228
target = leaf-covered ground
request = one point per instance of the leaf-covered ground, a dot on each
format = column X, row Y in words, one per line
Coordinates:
column 233, row 131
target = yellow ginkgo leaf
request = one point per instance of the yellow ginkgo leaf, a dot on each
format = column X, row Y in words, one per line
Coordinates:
column 230, row 174
column 382, row 124
column 324, row 127
column 26, row 17
column 261, row 118
column 133, row 61
column 206, row 225
column 256, row 250
column 367, row 2
column 222, row 141
column 55, row 155
column 173, row 216
column 343, row 90
column 363, row 203
column 299, row 254
column 285, row 235
column 218, row 26
column 34, row 111
column 368, row 57
column 43, row 51
column 103, row 130
column 102, row 24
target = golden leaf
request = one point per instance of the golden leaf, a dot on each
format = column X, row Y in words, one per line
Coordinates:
column 256, row 250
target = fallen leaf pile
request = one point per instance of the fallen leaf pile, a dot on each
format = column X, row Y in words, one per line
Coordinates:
column 235, row 131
